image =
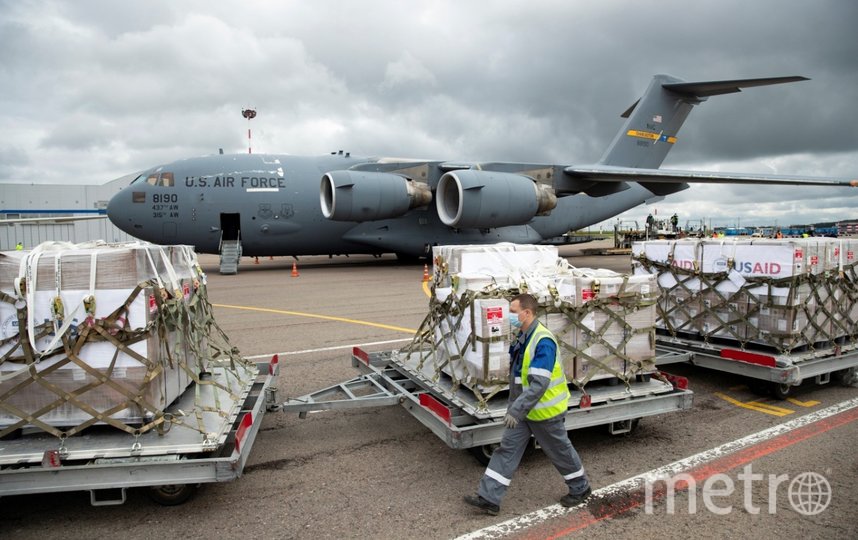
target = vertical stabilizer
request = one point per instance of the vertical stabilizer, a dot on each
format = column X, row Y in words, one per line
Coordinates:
column 654, row 120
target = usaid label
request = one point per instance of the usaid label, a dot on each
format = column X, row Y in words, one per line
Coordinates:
column 752, row 260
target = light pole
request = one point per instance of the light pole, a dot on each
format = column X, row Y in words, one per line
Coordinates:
column 249, row 114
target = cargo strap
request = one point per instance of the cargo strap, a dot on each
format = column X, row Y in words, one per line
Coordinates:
column 437, row 340
column 181, row 323
column 827, row 303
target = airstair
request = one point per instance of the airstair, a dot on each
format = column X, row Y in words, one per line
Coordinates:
column 230, row 254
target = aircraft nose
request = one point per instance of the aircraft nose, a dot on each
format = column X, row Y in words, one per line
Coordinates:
column 119, row 211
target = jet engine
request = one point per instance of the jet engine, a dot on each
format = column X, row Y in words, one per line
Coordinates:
column 486, row 199
column 367, row 196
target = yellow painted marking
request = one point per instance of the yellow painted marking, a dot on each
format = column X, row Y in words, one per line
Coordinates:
column 648, row 135
column 770, row 407
column 754, row 406
column 810, row 403
column 324, row 317
column 642, row 134
column 426, row 289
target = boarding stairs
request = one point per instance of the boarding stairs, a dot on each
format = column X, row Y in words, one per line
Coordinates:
column 230, row 254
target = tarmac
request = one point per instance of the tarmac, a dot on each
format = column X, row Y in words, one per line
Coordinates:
column 379, row 473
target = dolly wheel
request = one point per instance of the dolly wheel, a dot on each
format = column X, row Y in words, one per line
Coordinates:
column 759, row 388
column 781, row 391
column 845, row 377
column 172, row 494
column 483, row 453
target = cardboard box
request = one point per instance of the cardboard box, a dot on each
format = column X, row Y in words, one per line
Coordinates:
column 67, row 272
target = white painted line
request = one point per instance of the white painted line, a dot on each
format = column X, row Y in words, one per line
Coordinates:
column 323, row 349
column 636, row 482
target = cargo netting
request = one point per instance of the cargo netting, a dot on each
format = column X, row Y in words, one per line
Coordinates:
column 603, row 320
column 790, row 295
column 109, row 334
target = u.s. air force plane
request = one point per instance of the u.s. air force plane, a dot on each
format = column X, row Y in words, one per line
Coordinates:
column 275, row 205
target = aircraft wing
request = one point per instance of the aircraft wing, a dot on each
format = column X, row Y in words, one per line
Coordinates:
column 608, row 173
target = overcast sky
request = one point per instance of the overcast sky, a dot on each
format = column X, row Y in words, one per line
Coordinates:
column 94, row 90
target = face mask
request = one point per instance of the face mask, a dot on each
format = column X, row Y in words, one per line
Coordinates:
column 514, row 321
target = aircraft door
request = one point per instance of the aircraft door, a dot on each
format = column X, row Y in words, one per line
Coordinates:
column 230, row 225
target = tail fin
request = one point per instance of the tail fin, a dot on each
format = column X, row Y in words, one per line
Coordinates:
column 655, row 119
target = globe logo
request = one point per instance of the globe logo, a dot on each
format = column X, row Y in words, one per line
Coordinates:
column 809, row 493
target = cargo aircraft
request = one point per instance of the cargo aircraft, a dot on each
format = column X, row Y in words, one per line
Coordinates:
column 264, row 204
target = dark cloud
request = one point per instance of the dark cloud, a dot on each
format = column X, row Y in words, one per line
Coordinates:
column 93, row 90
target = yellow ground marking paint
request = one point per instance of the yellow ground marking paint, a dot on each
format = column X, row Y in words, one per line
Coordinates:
column 426, row 289
column 755, row 406
column 810, row 403
column 324, row 317
column 769, row 407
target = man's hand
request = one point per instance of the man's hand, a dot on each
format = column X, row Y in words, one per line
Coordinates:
column 510, row 421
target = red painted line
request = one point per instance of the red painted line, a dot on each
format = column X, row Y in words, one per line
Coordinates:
column 750, row 358
column 598, row 511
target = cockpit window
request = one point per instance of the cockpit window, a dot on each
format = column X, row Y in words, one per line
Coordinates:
column 164, row 179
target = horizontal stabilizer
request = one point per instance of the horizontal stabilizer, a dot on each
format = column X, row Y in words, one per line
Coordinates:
column 715, row 88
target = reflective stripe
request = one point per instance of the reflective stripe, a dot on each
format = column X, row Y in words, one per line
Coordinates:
column 496, row 476
column 555, row 400
column 557, row 382
column 539, row 372
column 576, row 474
column 543, row 404
column 518, row 380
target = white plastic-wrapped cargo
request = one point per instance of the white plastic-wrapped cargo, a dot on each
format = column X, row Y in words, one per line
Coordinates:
column 100, row 334
column 604, row 321
column 784, row 294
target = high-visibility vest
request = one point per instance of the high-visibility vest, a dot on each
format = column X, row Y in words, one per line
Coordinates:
column 555, row 400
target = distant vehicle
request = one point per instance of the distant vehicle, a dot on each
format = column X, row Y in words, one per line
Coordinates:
column 341, row 204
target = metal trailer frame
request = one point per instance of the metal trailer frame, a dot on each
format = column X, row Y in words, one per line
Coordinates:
column 780, row 372
column 173, row 475
column 452, row 414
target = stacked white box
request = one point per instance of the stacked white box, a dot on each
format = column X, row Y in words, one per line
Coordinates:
column 679, row 303
column 603, row 320
column 98, row 375
column 780, row 293
column 479, row 353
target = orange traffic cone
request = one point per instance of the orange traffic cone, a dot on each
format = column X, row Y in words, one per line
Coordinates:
column 295, row 269
column 257, row 260
column 425, row 272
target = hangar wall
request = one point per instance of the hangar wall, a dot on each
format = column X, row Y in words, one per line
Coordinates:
column 60, row 203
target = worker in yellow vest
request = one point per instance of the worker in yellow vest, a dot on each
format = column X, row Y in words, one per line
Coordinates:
column 19, row 246
column 538, row 400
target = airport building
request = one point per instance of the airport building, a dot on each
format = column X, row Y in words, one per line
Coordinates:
column 36, row 213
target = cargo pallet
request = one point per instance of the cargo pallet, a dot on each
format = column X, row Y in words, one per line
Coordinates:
column 106, row 461
column 769, row 371
column 459, row 419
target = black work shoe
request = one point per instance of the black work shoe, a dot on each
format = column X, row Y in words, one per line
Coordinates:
column 484, row 505
column 570, row 500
